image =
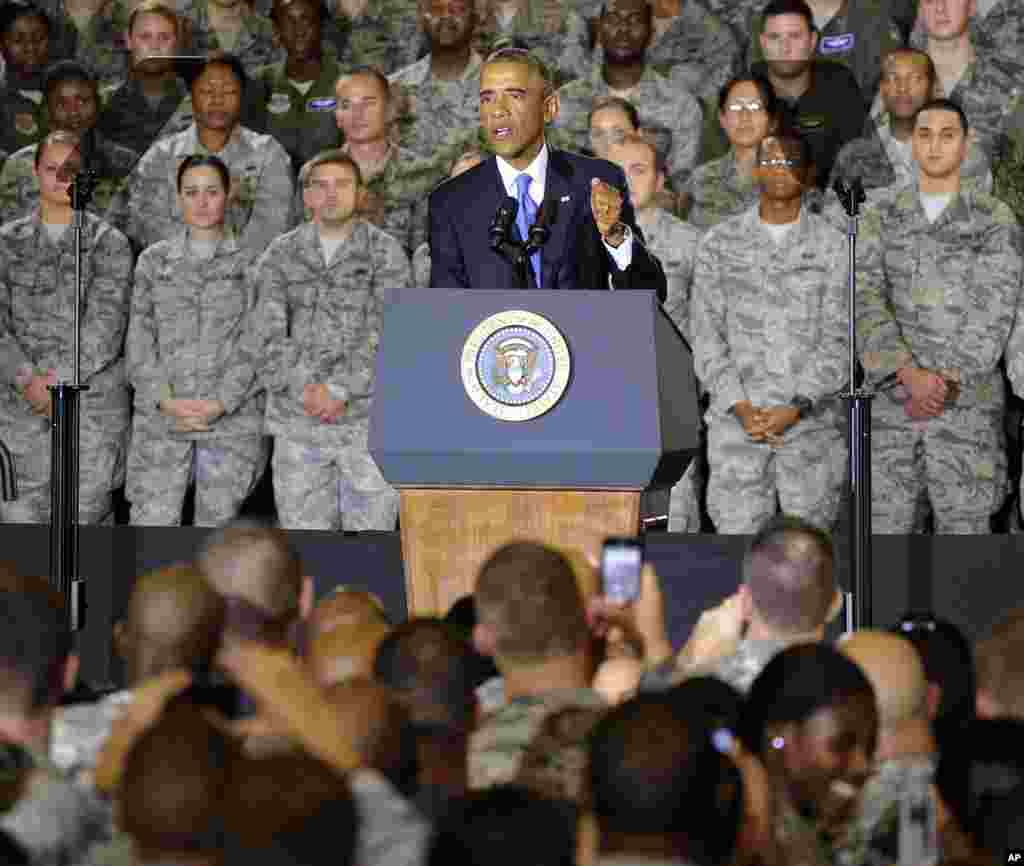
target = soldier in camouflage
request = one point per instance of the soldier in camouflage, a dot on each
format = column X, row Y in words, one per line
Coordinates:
column 624, row 33
column 259, row 207
column 531, row 617
column 939, row 307
column 674, row 243
column 299, row 98
column 314, row 334
column 883, row 157
column 378, row 33
column 770, row 347
column 441, row 92
column 153, row 102
column 72, row 103
column 195, row 416
column 724, row 188
column 25, row 49
column 37, row 264
column 232, row 26
column 699, row 49
column 553, row 30
column 91, row 34
column 396, row 181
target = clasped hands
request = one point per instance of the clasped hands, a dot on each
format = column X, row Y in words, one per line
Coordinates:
column 37, row 392
column 318, row 403
column 766, row 424
column 192, row 416
column 929, row 392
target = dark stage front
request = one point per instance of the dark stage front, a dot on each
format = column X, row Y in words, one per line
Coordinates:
column 969, row 580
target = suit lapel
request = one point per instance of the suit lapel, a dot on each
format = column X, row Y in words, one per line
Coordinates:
column 558, row 188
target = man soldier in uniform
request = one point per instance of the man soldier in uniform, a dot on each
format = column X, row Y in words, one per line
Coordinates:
column 37, row 285
column 314, row 333
column 770, row 347
column 940, row 306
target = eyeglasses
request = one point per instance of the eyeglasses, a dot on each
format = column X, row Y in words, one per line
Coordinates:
column 740, row 107
column 778, row 163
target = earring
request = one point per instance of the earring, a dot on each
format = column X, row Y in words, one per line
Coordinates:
column 778, row 742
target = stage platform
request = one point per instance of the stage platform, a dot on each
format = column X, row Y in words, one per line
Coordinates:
column 969, row 580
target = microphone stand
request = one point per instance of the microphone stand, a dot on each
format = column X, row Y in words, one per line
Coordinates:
column 859, row 421
column 64, row 439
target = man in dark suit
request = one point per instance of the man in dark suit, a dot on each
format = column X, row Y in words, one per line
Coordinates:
column 594, row 242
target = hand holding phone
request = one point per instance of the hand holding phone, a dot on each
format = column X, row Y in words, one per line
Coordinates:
column 621, row 562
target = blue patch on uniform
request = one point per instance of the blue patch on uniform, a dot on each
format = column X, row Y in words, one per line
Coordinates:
column 837, row 44
column 321, row 103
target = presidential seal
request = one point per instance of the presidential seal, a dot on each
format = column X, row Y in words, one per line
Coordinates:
column 515, row 365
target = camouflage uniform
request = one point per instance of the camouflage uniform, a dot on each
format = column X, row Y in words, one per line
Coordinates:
column 880, row 161
column 739, row 669
column 129, row 119
column 701, row 51
column 421, row 266
column 674, row 243
column 261, row 188
column 716, row 191
column 498, row 745
column 858, row 37
column 770, row 324
column 1002, row 30
column 19, row 191
column 943, row 296
column 187, row 318
column 738, row 16
column 433, row 109
column 255, row 47
column 319, row 322
column 100, row 46
column 302, row 122
column 36, row 315
column 662, row 104
column 387, row 37
column 23, row 121
column 553, row 30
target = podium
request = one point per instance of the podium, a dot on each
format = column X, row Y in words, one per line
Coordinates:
column 453, row 366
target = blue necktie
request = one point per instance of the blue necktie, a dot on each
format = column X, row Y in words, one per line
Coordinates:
column 525, row 217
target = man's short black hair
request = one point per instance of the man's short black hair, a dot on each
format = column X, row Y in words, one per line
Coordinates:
column 35, row 642
column 790, row 7
column 514, row 51
column 944, row 104
column 67, row 70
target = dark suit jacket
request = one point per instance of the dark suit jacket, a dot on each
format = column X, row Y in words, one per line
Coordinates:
column 462, row 209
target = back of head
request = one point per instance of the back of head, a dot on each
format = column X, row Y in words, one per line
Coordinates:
column 343, row 653
column 788, row 572
column 174, row 620
column 794, row 685
column 654, row 772
column 506, row 825
column 999, row 659
column 948, row 663
column 528, row 596
column 254, row 566
column 171, row 798
column 288, row 808
column 980, row 778
column 896, row 672
column 35, row 642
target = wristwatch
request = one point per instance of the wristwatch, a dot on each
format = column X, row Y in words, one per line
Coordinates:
column 803, row 405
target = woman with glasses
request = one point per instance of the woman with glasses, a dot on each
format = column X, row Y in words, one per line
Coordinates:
column 747, row 111
column 195, row 416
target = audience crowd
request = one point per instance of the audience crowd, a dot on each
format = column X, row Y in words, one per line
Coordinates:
column 263, row 169
column 538, row 721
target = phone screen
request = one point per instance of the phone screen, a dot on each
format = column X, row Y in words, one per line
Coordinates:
column 621, row 561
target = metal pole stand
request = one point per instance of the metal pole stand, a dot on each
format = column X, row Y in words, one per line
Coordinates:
column 64, row 440
column 858, row 401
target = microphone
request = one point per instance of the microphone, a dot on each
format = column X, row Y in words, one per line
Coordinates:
column 501, row 226
column 540, row 231
column 851, row 195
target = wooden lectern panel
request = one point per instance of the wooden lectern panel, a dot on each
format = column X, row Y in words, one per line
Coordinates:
column 448, row 534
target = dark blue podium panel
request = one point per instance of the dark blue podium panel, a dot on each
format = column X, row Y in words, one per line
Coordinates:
column 621, row 412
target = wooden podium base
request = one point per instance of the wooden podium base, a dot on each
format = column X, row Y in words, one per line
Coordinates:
column 447, row 534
